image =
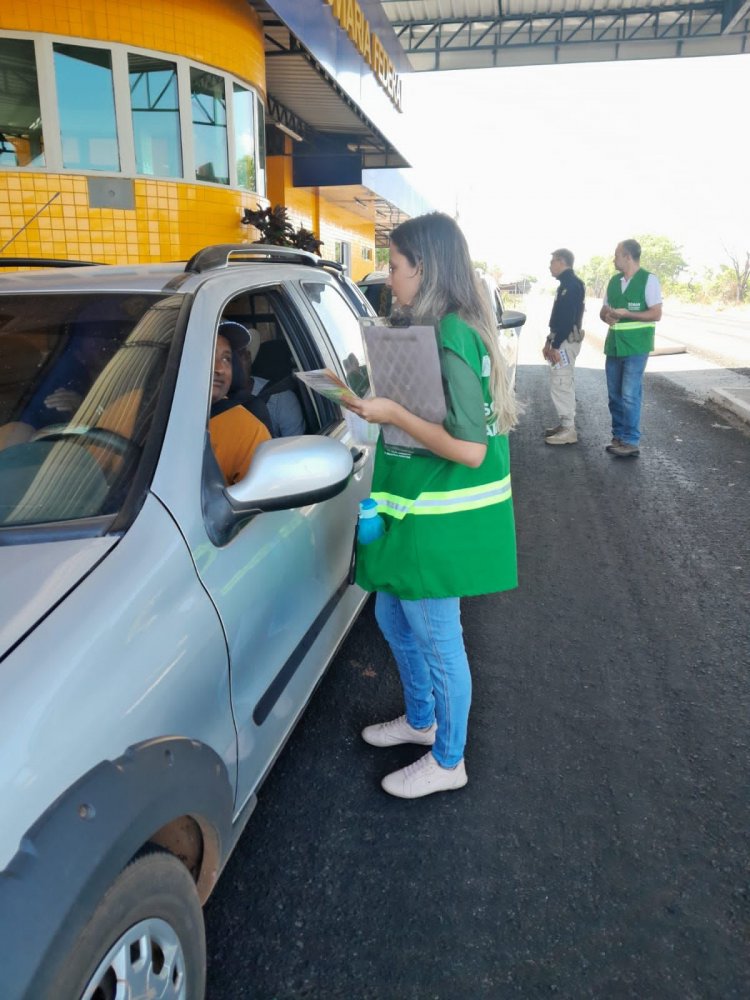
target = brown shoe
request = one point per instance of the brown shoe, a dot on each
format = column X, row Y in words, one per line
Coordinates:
column 624, row 450
column 614, row 443
column 553, row 430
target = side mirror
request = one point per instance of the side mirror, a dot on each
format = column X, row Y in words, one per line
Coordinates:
column 292, row 472
column 511, row 319
column 284, row 473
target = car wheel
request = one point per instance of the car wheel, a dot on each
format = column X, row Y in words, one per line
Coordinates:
column 145, row 938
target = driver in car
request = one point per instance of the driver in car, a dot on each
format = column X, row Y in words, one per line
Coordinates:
column 235, row 433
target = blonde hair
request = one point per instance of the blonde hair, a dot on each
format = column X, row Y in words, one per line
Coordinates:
column 449, row 284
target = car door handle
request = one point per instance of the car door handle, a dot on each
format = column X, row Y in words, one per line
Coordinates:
column 359, row 456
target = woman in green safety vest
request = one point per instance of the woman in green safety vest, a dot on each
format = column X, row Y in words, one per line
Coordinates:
column 448, row 510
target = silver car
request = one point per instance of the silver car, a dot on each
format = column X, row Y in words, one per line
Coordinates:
column 161, row 631
column 509, row 321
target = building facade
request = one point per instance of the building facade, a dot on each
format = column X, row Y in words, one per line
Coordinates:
column 140, row 131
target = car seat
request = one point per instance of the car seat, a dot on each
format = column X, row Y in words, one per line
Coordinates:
column 274, row 362
column 240, row 395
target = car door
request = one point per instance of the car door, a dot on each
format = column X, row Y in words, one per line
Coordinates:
column 280, row 584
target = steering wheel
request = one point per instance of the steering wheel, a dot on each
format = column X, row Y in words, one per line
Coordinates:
column 118, row 443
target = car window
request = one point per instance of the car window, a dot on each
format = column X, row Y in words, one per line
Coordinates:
column 378, row 294
column 80, row 375
column 357, row 299
column 344, row 332
column 280, row 345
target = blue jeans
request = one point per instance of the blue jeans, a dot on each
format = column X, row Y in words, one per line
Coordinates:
column 427, row 642
column 625, row 389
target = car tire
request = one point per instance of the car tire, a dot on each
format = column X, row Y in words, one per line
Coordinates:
column 145, row 938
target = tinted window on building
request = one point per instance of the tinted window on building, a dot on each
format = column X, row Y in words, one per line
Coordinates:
column 261, row 164
column 244, row 136
column 209, row 106
column 21, row 141
column 86, row 106
column 156, row 115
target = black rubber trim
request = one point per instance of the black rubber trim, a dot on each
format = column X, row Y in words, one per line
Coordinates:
column 47, row 262
column 72, row 854
column 57, row 531
column 276, row 688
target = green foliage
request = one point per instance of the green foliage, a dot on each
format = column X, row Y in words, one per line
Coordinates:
column 595, row 275
column 275, row 229
column 722, row 284
column 246, row 172
column 658, row 254
column 690, row 291
column 382, row 256
column 664, row 257
column 729, row 284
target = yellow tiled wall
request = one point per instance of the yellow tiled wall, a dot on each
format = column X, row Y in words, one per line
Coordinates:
column 338, row 224
column 222, row 33
column 171, row 219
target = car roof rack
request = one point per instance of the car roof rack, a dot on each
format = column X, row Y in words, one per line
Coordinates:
column 44, row 262
column 223, row 254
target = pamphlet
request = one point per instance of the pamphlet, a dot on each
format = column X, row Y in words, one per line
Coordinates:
column 328, row 384
column 564, row 359
column 403, row 364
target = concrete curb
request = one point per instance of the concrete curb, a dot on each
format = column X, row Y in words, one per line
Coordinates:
column 662, row 345
column 737, row 401
column 665, row 345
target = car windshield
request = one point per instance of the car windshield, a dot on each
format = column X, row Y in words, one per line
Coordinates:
column 79, row 379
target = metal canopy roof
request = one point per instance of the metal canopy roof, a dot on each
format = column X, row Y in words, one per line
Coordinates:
column 473, row 34
column 307, row 103
column 305, row 99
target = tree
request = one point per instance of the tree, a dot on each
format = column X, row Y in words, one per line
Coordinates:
column 382, row 258
column 662, row 256
column 720, row 285
column 741, row 272
column 595, row 275
column 246, row 171
column 658, row 254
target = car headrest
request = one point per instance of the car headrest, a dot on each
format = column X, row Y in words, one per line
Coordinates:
column 273, row 361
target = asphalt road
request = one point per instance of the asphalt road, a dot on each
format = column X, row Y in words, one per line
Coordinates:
column 721, row 336
column 600, row 849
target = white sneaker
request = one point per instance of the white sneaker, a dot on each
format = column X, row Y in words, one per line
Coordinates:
column 424, row 777
column 390, row 734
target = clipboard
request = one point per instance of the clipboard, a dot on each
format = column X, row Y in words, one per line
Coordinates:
column 404, row 365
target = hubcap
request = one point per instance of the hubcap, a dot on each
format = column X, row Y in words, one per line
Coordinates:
column 145, row 963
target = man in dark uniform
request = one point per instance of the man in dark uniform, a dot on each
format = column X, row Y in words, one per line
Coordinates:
column 562, row 346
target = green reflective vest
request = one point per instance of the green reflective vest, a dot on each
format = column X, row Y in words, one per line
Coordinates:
column 450, row 530
column 629, row 336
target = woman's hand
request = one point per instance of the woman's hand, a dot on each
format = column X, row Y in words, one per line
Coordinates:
column 434, row 437
column 376, row 410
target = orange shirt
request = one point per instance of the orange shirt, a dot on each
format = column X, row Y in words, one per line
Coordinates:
column 235, row 434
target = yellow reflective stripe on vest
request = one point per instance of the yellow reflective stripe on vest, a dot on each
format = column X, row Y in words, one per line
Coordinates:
column 633, row 324
column 447, row 502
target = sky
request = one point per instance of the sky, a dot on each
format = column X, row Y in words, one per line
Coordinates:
column 586, row 155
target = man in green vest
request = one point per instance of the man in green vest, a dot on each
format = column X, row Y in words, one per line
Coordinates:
column 632, row 305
